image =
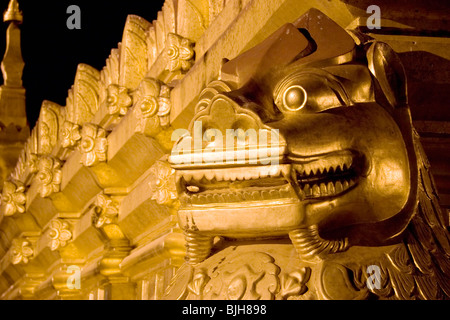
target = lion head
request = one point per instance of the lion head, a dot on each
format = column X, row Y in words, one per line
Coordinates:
column 306, row 135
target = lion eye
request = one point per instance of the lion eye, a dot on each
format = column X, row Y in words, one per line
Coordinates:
column 295, row 98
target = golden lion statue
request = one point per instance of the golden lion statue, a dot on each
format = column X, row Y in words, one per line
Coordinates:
column 302, row 177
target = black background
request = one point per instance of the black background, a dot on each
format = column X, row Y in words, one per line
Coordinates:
column 52, row 52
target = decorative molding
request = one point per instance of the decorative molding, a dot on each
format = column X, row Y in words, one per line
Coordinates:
column 49, row 176
column 93, row 145
column 180, row 53
column 106, row 211
column 13, row 198
column 59, row 234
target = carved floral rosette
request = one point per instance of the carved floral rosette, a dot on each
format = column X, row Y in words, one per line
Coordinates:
column 13, row 198
column 71, row 135
column 49, row 176
column 118, row 99
column 153, row 106
column 106, row 211
column 59, row 234
column 93, row 145
column 22, row 251
column 163, row 184
column 180, row 53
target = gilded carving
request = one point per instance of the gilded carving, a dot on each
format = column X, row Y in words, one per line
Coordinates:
column 133, row 57
column 153, row 106
column 22, row 251
column 93, row 145
column 85, row 94
column 48, row 126
column 256, row 278
column 71, row 135
column 119, row 100
column 180, row 53
column 163, row 184
column 299, row 177
column 342, row 174
column 13, row 198
column 49, row 176
column 59, row 234
column 250, row 275
column 294, row 283
column 106, row 211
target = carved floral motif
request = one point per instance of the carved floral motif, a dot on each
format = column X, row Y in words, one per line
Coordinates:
column 59, row 234
column 180, row 53
column 93, row 145
column 237, row 275
column 49, row 176
column 163, row 184
column 22, row 251
column 13, row 198
column 154, row 106
column 106, row 210
column 119, row 100
column 71, row 134
column 294, row 284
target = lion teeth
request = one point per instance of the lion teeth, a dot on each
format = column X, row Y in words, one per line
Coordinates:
column 187, row 177
column 227, row 196
column 248, row 175
column 338, row 186
column 285, row 171
column 331, row 188
column 324, row 189
column 307, row 190
column 316, row 191
column 236, row 174
column 345, row 185
column 198, row 175
column 209, row 175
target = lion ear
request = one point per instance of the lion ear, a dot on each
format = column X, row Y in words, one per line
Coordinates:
column 387, row 68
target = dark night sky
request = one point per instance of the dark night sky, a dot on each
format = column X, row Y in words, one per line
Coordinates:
column 52, row 52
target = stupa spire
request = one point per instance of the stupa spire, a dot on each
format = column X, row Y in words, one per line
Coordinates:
column 13, row 12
